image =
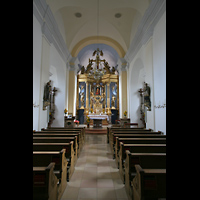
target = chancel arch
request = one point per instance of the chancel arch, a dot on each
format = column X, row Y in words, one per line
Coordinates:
column 98, row 39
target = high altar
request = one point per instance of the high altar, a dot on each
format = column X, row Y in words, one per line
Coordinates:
column 97, row 90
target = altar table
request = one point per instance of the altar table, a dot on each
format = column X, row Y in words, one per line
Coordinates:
column 97, row 119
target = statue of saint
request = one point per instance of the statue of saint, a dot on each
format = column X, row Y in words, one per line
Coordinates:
column 147, row 93
column 113, row 102
column 82, row 94
column 47, row 90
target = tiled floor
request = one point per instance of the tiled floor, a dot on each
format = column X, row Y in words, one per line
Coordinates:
column 96, row 176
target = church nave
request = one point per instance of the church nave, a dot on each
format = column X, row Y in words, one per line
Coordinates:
column 96, row 176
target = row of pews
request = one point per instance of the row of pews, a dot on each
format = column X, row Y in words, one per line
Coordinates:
column 55, row 152
column 140, row 155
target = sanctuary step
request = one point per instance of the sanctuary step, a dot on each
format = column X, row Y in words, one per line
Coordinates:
column 96, row 131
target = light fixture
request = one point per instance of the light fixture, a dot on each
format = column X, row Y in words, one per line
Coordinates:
column 78, row 15
column 118, row 15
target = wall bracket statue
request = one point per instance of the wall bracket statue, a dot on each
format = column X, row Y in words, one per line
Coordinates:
column 46, row 96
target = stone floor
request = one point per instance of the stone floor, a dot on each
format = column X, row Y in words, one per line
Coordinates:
column 96, row 176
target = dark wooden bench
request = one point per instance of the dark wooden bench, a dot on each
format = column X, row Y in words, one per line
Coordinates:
column 136, row 148
column 59, row 140
column 111, row 129
column 145, row 160
column 80, row 138
column 81, row 129
column 128, row 125
column 153, row 139
column 115, row 143
column 57, row 134
column 128, row 131
column 69, row 153
column 44, row 183
column 149, row 183
column 43, row 158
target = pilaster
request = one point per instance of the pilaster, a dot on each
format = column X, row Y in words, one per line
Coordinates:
column 72, row 66
column 123, row 66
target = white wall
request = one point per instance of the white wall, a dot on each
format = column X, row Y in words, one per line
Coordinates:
column 149, row 65
column 140, row 71
column 58, row 78
column 159, row 65
column 47, row 65
column 44, row 78
column 136, row 79
column 37, row 49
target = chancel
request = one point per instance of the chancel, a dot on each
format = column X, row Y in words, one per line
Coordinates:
column 99, row 83
column 99, row 99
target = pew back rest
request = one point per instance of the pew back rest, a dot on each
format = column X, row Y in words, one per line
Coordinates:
column 55, row 147
column 138, row 141
column 150, row 182
column 141, row 148
column 42, row 158
column 145, row 160
column 44, row 181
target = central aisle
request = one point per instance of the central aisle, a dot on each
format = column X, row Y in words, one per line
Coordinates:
column 96, row 176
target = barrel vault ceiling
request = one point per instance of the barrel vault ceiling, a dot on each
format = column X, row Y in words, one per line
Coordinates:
column 86, row 22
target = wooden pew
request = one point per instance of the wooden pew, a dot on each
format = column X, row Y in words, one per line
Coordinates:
column 132, row 140
column 81, row 129
column 69, row 153
column 44, row 183
column 115, row 142
column 128, row 131
column 59, row 140
column 149, row 183
column 67, row 130
column 43, row 158
column 112, row 129
column 137, row 148
column 128, row 125
column 80, row 139
column 145, row 160
column 47, row 134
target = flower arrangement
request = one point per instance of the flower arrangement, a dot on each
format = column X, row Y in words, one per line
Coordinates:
column 88, row 120
column 65, row 111
column 125, row 113
column 91, row 110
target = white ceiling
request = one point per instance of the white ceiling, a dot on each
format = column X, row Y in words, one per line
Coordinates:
column 102, row 12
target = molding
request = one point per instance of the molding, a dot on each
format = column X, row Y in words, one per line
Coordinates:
column 146, row 27
column 49, row 27
column 98, row 39
column 73, row 64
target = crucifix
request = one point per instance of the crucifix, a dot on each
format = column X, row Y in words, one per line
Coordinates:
column 98, row 60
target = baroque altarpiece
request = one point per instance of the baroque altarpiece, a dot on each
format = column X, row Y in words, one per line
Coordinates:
column 97, row 88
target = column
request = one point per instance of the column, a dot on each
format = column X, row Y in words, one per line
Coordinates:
column 87, row 98
column 122, row 87
column 73, row 65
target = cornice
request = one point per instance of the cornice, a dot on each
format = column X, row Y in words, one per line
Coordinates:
column 49, row 27
column 146, row 27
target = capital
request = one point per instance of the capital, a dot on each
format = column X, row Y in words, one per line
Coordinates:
column 73, row 64
column 123, row 64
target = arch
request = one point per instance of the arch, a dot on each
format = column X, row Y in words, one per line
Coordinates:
column 98, row 39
